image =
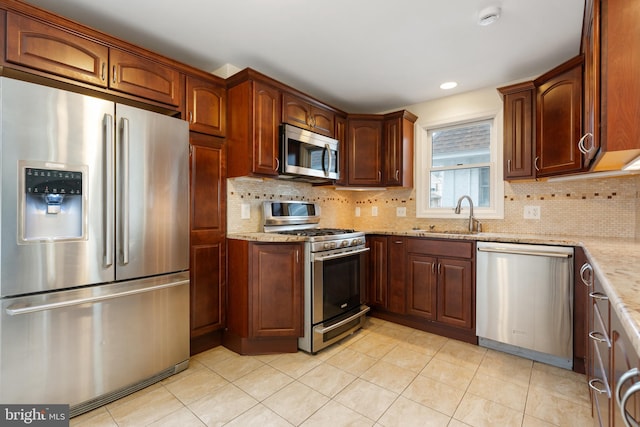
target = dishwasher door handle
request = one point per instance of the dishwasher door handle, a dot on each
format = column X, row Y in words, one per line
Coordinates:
column 524, row 252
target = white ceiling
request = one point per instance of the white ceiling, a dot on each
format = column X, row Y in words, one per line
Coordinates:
column 362, row 56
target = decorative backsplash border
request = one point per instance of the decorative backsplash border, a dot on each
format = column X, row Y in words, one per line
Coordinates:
column 593, row 207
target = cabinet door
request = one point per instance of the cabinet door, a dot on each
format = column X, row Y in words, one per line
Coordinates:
column 206, row 106
column 393, row 151
column 396, row 274
column 303, row 114
column 591, row 101
column 518, row 133
column 266, row 130
column 422, row 286
column 295, row 111
column 276, row 290
column 558, row 120
column 341, row 136
column 37, row 45
column 323, row 120
column 208, row 218
column 455, row 292
column 143, row 77
column 378, row 282
column 365, row 152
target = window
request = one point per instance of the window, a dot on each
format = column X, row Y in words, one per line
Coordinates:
column 456, row 159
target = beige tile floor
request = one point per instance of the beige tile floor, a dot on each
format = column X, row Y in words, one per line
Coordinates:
column 383, row 375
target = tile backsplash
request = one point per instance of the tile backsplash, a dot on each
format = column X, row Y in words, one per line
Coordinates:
column 602, row 207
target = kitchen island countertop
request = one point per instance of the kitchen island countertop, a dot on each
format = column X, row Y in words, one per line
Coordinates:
column 615, row 262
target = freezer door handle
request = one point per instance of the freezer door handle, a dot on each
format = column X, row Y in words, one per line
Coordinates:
column 524, row 252
column 124, row 210
column 18, row 309
column 108, row 190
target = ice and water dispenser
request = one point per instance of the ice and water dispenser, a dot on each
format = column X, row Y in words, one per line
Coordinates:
column 53, row 205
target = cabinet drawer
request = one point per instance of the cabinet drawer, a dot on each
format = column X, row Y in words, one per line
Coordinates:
column 440, row 247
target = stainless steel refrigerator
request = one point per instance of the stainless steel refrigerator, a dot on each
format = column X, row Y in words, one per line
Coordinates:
column 94, row 283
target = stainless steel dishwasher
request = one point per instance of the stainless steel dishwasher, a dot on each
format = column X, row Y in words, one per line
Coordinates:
column 524, row 300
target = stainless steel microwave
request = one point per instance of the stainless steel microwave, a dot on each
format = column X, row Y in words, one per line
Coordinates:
column 308, row 156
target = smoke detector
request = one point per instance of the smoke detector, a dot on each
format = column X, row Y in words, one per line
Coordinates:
column 488, row 15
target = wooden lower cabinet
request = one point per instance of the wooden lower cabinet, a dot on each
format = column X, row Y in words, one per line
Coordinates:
column 428, row 284
column 264, row 297
column 441, row 285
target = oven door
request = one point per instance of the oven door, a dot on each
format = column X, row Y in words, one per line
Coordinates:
column 337, row 283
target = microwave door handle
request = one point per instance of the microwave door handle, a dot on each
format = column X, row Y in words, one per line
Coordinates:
column 327, row 150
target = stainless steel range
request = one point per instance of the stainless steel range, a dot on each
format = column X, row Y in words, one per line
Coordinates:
column 334, row 272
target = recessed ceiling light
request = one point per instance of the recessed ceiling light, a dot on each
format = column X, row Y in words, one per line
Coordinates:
column 448, row 85
column 489, row 15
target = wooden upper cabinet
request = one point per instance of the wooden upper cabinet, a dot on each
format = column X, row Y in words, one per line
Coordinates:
column 341, row 136
column 307, row 115
column 47, row 48
column 398, row 149
column 559, row 119
column 617, row 103
column 253, row 134
column 364, row 146
column 52, row 49
column 590, row 141
column 518, row 137
column 206, row 106
column 143, row 77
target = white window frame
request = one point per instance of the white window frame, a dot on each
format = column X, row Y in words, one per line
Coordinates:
column 423, row 169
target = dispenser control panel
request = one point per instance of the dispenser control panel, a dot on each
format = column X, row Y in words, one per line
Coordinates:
column 52, row 181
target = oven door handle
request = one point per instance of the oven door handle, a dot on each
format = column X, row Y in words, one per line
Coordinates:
column 340, row 255
column 321, row 330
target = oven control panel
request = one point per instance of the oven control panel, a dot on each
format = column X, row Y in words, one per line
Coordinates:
column 337, row 244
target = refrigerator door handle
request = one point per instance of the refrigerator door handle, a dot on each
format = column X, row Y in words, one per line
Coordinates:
column 26, row 309
column 108, row 190
column 124, row 235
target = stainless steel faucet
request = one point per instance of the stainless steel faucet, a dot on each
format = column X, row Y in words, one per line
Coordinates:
column 472, row 220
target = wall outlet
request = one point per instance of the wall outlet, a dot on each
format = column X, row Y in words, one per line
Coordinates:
column 357, row 210
column 401, row 211
column 532, row 212
column 374, row 211
column 245, row 211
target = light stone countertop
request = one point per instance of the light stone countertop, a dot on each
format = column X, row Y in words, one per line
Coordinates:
column 615, row 262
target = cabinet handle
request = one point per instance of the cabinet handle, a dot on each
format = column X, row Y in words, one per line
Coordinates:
column 433, row 268
column 379, row 176
column 581, row 147
column 597, row 336
column 535, row 163
column 397, row 242
column 102, row 75
column 586, row 267
column 277, row 164
column 509, row 165
column 622, row 403
column 599, row 296
column 397, row 175
column 439, row 268
column 592, row 385
column 190, row 116
column 114, row 73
